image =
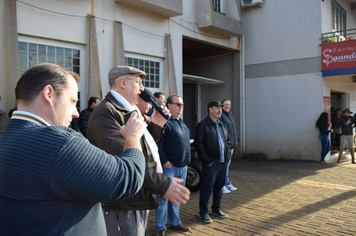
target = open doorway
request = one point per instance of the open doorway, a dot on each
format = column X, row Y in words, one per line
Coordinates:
column 208, row 75
column 338, row 104
column 190, row 118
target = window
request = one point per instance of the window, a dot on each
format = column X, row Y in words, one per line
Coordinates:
column 217, row 5
column 150, row 67
column 33, row 51
column 339, row 18
column 32, row 54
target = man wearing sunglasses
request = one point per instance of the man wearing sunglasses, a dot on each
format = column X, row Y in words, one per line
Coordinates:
column 174, row 152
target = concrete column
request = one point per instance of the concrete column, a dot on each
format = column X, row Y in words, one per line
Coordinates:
column 93, row 81
column 169, row 70
column 119, row 53
column 12, row 54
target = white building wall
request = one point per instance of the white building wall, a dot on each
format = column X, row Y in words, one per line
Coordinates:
column 280, row 116
column 281, row 30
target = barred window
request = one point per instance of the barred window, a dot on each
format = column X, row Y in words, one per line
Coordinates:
column 150, row 67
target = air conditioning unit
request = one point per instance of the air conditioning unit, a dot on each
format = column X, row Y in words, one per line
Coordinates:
column 251, row 3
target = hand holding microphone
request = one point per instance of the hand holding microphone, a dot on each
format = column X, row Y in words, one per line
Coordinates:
column 147, row 97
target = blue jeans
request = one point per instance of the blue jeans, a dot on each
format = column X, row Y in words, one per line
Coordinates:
column 166, row 206
column 325, row 145
column 212, row 177
column 227, row 181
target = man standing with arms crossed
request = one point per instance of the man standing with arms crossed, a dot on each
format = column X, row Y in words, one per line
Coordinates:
column 212, row 144
column 129, row 217
column 174, row 152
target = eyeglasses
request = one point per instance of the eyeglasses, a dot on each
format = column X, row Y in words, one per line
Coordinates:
column 178, row 104
column 137, row 79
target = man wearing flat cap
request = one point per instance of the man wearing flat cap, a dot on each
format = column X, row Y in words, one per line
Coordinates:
column 212, row 143
column 129, row 217
column 346, row 123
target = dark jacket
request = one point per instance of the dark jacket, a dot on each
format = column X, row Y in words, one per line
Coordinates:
column 83, row 120
column 229, row 120
column 104, row 131
column 206, row 141
column 3, row 120
column 346, row 129
column 323, row 128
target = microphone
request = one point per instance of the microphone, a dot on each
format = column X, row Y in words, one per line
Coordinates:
column 147, row 97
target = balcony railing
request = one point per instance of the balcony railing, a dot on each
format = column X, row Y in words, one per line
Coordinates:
column 338, row 36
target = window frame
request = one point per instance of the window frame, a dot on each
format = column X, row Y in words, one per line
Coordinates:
column 82, row 104
column 150, row 59
column 338, row 18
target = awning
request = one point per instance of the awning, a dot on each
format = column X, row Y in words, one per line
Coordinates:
column 200, row 80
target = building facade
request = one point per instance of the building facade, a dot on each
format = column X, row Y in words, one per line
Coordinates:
column 265, row 55
column 286, row 86
column 186, row 47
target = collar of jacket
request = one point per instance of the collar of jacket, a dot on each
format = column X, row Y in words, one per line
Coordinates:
column 226, row 113
column 116, row 103
column 211, row 121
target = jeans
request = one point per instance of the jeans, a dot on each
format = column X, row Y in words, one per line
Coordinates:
column 227, row 173
column 165, row 206
column 227, row 181
column 325, row 145
column 213, row 177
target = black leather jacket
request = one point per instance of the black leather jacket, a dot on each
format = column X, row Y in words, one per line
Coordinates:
column 206, row 142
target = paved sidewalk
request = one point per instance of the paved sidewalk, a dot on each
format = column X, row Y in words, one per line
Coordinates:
column 280, row 198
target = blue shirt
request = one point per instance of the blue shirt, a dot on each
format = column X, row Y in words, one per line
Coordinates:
column 221, row 141
column 174, row 145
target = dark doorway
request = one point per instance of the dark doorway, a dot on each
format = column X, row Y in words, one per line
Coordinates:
column 190, row 109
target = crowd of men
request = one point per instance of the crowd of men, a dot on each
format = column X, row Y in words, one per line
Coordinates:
column 103, row 178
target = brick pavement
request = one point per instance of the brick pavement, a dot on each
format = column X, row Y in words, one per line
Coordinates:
column 280, row 198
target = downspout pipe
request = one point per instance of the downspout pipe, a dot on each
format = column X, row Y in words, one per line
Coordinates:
column 242, row 98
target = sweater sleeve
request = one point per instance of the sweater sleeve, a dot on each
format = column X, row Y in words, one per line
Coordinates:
column 82, row 171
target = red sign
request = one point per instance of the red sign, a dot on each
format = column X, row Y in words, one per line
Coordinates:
column 327, row 107
column 339, row 58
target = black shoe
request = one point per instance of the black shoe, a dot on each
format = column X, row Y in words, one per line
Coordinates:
column 180, row 227
column 160, row 233
column 205, row 218
column 220, row 214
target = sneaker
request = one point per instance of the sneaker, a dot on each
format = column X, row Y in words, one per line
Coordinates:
column 225, row 190
column 230, row 187
column 220, row 214
column 205, row 218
